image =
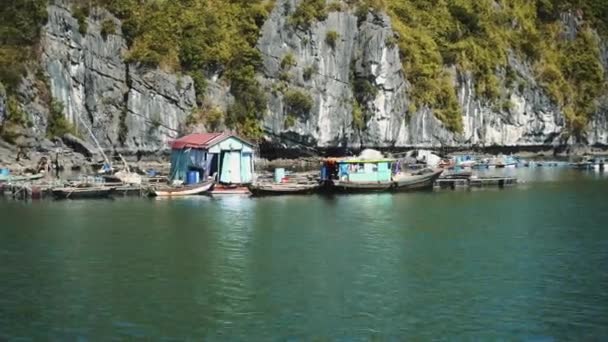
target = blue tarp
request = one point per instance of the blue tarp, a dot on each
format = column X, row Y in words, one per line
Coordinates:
column 188, row 159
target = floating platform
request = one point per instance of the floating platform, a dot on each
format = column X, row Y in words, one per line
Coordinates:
column 24, row 191
column 27, row 191
column 478, row 182
column 492, row 181
column 451, row 183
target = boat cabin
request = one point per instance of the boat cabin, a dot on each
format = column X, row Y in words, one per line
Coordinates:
column 358, row 170
column 226, row 157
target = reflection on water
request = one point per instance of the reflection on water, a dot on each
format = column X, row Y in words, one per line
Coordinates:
column 546, row 174
column 521, row 263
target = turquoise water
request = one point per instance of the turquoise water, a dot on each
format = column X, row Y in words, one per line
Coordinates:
column 527, row 263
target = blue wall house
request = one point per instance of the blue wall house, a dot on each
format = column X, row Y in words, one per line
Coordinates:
column 358, row 170
column 226, row 157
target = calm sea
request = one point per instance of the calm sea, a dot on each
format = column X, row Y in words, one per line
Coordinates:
column 526, row 263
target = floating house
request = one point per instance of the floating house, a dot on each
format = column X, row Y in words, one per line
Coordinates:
column 225, row 157
column 371, row 172
column 358, row 170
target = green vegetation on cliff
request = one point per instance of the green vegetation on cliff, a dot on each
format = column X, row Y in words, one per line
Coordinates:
column 438, row 41
column 58, row 125
column 200, row 38
column 20, row 23
column 477, row 36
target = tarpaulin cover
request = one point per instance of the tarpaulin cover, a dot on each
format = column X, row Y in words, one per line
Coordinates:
column 185, row 160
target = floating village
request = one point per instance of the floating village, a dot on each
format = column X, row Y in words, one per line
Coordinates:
column 223, row 163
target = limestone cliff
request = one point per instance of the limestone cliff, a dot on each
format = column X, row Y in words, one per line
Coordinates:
column 340, row 62
column 363, row 51
column 123, row 105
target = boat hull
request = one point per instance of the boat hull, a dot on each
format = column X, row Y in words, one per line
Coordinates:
column 398, row 184
column 221, row 190
column 417, row 182
column 190, row 190
column 360, row 187
column 282, row 189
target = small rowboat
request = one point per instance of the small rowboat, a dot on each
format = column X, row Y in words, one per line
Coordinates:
column 271, row 189
column 186, row 190
column 82, row 192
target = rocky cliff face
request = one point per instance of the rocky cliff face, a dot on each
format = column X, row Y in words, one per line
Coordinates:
column 2, row 104
column 359, row 52
column 598, row 130
column 133, row 108
column 363, row 50
column 121, row 104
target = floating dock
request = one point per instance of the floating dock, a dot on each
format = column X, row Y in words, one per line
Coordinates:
column 477, row 182
column 27, row 191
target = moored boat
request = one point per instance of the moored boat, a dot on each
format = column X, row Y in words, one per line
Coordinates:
column 277, row 189
column 358, row 174
column 353, row 187
column 416, row 181
column 184, row 190
column 229, row 189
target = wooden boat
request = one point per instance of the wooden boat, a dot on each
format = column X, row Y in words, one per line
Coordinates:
column 185, row 190
column 354, row 187
column 82, row 192
column 416, row 181
column 230, row 189
column 276, row 189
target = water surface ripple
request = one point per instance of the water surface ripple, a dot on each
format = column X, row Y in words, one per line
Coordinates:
column 525, row 263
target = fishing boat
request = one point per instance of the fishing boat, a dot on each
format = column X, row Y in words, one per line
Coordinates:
column 277, row 189
column 82, row 192
column 360, row 174
column 183, row 190
column 415, row 181
column 353, row 187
